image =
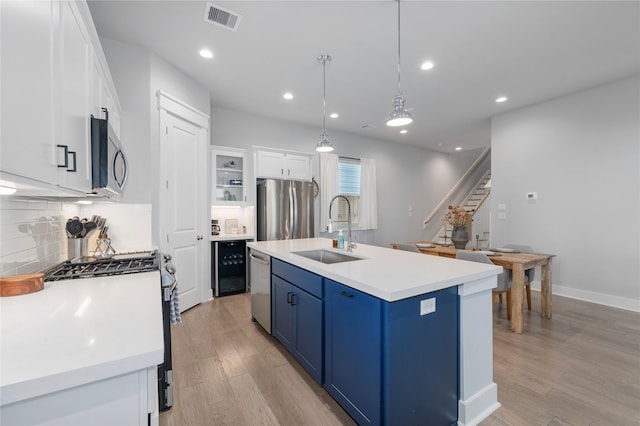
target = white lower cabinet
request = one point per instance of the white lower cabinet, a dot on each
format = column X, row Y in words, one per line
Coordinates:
column 128, row 399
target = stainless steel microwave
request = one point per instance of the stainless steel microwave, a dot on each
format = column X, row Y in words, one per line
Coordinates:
column 108, row 163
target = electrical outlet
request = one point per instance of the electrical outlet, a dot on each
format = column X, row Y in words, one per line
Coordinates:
column 427, row 306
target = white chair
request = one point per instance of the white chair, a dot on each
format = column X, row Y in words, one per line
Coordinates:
column 504, row 278
column 529, row 274
column 409, row 247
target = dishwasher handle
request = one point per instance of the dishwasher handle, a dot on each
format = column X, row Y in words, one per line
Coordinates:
column 259, row 259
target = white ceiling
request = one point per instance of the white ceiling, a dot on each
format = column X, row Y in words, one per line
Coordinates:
column 529, row 51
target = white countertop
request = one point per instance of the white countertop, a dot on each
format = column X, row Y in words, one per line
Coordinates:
column 231, row 237
column 78, row 331
column 385, row 273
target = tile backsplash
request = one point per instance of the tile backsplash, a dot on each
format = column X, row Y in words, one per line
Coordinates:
column 32, row 234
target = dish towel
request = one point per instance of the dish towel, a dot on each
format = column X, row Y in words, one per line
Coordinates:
column 169, row 280
column 174, row 311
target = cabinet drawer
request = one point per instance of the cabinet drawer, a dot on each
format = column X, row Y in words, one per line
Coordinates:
column 306, row 280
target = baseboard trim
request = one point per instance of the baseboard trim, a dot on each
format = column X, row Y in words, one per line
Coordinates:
column 480, row 406
column 593, row 297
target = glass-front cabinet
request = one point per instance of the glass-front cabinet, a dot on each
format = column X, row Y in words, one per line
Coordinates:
column 229, row 183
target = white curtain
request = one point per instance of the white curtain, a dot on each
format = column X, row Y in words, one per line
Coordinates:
column 368, row 199
column 328, row 186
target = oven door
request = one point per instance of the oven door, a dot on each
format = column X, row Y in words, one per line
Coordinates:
column 165, row 370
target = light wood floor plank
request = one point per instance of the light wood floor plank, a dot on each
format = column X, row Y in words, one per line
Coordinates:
column 582, row 367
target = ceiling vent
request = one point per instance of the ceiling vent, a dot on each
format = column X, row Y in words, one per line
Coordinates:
column 224, row 18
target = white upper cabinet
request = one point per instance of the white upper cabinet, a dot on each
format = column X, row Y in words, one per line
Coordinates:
column 53, row 76
column 101, row 96
column 229, row 177
column 298, row 167
column 71, row 99
column 281, row 165
column 27, row 145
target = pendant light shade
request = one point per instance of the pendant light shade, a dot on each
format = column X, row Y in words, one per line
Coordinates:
column 399, row 116
column 324, row 145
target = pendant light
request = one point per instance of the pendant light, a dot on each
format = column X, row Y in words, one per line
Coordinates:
column 324, row 145
column 399, row 116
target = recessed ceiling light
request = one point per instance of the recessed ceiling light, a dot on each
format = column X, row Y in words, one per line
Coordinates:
column 206, row 53
column 501, row 99
column 426, row 65
column 288, row 96
column 334, row 115
column 458, row 148
column 404, row 131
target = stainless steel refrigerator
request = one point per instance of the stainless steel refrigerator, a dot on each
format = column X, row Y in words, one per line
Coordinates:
column 285, row 209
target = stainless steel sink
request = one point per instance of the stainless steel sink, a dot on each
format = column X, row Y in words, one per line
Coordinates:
column 326, row 256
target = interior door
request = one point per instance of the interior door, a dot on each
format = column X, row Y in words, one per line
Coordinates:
column 183, row 204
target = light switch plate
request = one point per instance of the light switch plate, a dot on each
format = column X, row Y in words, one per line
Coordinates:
column 427, row 306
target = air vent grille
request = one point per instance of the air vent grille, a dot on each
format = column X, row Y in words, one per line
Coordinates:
column 223, row 18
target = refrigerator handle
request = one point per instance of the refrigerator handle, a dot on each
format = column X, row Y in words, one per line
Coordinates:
column 292, row 217
column 295, row 212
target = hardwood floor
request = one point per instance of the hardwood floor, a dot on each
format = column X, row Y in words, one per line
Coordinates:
column 582, row 367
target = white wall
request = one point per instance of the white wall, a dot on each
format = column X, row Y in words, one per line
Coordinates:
column 138, row 75
column 130, row 68
column 408, row 176
column 581, row 154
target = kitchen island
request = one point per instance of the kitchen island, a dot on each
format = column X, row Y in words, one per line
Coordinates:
column 82, row 351
column 382, row 317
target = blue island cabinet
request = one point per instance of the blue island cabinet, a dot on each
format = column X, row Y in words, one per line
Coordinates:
column 297, row 315
column 392, row 363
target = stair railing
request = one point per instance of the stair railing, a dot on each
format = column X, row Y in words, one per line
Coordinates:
column 450, row 195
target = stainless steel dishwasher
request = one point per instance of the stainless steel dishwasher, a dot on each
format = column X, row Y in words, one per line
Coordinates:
column 260, row 279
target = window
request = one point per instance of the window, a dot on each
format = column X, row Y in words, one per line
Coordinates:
column 349, row 186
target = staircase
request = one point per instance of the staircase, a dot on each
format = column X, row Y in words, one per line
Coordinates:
column 470, row 192
column 479, row 193
column 472, row 201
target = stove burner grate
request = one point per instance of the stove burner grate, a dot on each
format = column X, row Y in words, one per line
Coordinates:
column 127, row 263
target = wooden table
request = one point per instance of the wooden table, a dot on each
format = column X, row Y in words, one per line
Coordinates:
column 518, row 263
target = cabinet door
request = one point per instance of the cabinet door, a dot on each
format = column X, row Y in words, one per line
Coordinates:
column 308, row 332
column 26, row 126
column 229, row 182
column 298, row 167
column 353, row 351
column 283, row 327
column 100, row 96
column 270, row 165
column 71, row 101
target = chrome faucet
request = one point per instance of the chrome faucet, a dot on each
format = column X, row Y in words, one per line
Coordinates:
column 350, row 245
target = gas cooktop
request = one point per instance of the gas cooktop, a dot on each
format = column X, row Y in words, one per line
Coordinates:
column 118, row 264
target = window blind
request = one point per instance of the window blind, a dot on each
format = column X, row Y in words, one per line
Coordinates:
column 349, row 172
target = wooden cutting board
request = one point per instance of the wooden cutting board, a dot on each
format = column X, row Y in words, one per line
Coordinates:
column 17, row 285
